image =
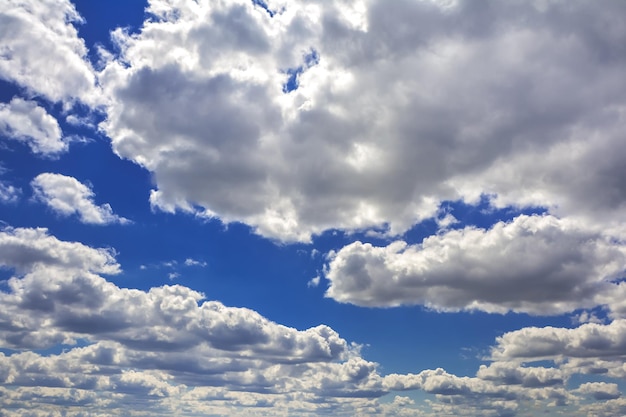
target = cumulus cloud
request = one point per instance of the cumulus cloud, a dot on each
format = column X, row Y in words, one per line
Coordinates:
column 600, row 390
column 67, row 196
column 26, row 121
column 172, row 349
column 589, row 340
column 166, row 344
column 533, row 264
column 42, row 52
column 405, row 106
column 28, row 250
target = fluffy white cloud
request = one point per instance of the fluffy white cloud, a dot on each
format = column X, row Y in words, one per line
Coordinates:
column 41, row 51
column 26, row 121
column 66, row 196
column 533, row 264
column 398, row 107
column 27, row 250
column 589, row 340
column 170, row 348
column 165, row 345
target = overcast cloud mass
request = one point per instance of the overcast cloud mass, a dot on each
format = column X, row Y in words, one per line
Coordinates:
column 455, row 159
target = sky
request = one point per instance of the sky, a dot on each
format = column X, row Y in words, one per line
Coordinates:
column 306, row 208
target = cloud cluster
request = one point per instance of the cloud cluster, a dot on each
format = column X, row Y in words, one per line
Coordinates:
column 170, row 349
column 297, row 117
column 67, row 196
column 533, row 264
column 405, row 105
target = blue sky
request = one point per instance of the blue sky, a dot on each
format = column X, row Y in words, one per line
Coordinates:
column 308, row 208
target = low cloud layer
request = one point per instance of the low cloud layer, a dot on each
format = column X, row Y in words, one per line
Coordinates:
column 171, row 350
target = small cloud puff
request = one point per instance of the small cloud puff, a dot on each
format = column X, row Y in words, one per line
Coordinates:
column 67, row 196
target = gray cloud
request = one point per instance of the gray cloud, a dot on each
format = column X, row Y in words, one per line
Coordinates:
column 533, row 264
column 589, row 340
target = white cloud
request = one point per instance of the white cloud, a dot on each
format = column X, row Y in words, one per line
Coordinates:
column 193, row 262
column 67, row 196
column 42, row 52
column 9, row 193
column 313, row 282
column 161, row 345
column 589, row 340
column 510, row 373
column 408, row 105
column 28, row 250
column 26, row 121
column 533, row 264
column 174, row 350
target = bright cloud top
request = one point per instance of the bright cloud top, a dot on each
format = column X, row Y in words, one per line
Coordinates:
column 66, row 196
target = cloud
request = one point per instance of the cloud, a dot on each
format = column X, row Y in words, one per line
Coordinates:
column 533, row 264
column 166, row 346
column 9, row 193
column 193, row 262
column 589, row 340
column 66, row 196
column 26, row 121
column 42, row 52
column 28, row 250
column 508, row 373
column 600, row 390
column 172, row 349
column 313, row 282
column 407, row 106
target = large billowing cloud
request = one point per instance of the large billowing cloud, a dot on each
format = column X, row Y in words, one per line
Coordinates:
column 533, row 264
column 66, row 196
column 398, row 107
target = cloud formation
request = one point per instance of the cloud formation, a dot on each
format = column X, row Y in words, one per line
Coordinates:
column 533, row 264
column 407, row 105
column 169, row 349
column 67, row 196
column 26, row 121
column 42, row 52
